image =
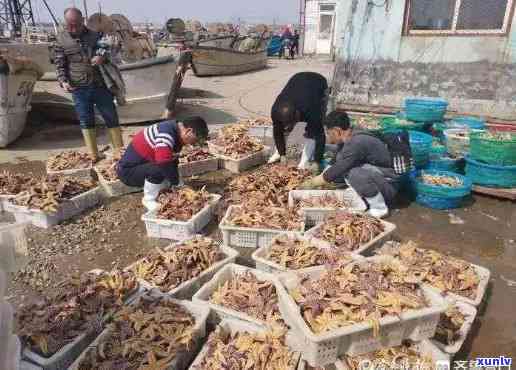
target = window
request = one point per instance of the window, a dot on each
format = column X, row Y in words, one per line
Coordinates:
column 458, row 17
column 325, row 25
column 327, row 7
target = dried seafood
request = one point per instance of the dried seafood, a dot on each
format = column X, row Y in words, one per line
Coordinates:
column 259, row 122
column 328, row 201
column 295, row 253
column 349, row 231
column 445, row 273
column 234, row 142
column 441, row 180
column 265, row 218
column 241, row 350
column 192, row 153
column 405, row 356
column 48, row 193
column 185, row 261
column 268, row 186
column 78, row 307
column 71, row 160
column 498, row 136
column 182, row 204
column 245, row 293
column 108, row 168
column 368, row 122
column 355, row 293
column 146, row 336
column 450, row 323
column 15, row 183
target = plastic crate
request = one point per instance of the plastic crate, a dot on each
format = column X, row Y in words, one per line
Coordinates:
column 470, row 313
column 5, row 201
column 198, row 167
column 356, row 339
column 441, row 197
column 219, row 313
column 188, row 288
column 246, row 237
column 242, row 164
column 182, row 359
column 490, row 175
column 115, row 188
column 260, row 131
column 378, row 240
column 80, row 173
column 425, row 348
column 263, row 264
column 313, row 216
column 66, row 210
column 180, row 230
column 493, row 151
column 13, row 246
column 232, row 327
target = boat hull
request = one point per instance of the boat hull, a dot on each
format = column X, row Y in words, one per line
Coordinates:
column 207, row 61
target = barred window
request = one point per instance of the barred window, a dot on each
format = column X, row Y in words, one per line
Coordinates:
column 456, row 17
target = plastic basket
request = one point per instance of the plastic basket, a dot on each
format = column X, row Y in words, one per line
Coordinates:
column 458, row 141
column 364, row 249
column 246, row 237
column 491, row 175
column 180, row 230
column 441, row 197
column 188, row 288
column 313, row 216
column 260, row 131
column 263, row 264
column 115, row 188
column 182, row 359
column 198, row 167
column 470, row 313
column 397, row 123
column 425, row 109
column 80, row 173
column 66, row 210
column 446, row 163
column 420, row 144
column 218, row 312
column 356, row 339
column 232, row 327
column 242, row 164
column 425, row 348
column 13, row 246
column 491, row 151
column 470, row 122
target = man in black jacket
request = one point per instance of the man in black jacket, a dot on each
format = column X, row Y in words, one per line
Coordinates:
column 303, row 99
column 363, row 162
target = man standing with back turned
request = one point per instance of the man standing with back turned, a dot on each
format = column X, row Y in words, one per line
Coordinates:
column 78, row 55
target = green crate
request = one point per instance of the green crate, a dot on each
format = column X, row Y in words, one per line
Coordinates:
column 492, row 150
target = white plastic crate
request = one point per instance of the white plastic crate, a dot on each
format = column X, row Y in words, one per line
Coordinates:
column 180, row 230
column 313, row 215
column 242, row 164
column 236, row 326
column 5, row 201
column 66, row 210
column 263, row 264
column 182, row 359
column 79, row 173
column 246, row 237
column 68, row 353
column 198, row 167
column 470, row 313
column 261, row 131
column 13, row 246
column 115, row 188
column 188, row 288
column 366, row 248
column 326, row 348
column 425, row 348
column 219, row 312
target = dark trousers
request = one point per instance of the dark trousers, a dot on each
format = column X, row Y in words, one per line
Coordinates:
column 368, row 181
column 136, row 176
column 87, row 98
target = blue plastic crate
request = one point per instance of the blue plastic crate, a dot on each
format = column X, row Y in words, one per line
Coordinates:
column 490, row 175
column 471, row 122
column 438, row 202
column 446, row 163
column 421, row 145
column 425, row 109
column 441, row 197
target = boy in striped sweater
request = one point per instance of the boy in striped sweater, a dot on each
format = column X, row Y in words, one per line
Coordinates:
column 152, row 158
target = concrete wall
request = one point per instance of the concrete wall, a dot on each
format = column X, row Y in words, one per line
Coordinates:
column 312, row 24
column 378, row 66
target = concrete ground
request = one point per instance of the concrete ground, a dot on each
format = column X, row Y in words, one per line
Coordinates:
column 484, row 232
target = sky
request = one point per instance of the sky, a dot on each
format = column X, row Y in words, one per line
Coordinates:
column 158, row 11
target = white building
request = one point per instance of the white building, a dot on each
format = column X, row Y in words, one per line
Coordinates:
column 319, row 26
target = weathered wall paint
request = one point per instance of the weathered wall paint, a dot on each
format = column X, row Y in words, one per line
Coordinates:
column 377, row 65
column 312, row 25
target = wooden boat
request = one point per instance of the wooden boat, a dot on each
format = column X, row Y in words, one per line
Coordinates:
column 213, row 61
column 149, row 82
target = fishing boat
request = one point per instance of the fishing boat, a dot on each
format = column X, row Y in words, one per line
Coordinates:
column 149, row 82
column 18, row 75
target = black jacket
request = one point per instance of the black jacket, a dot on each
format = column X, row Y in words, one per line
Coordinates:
column 307, row 91
column 363, row 148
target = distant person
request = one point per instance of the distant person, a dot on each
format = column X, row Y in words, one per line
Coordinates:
column 295, row 39
column 151, row 160
column 303, row 99
column 78, row 55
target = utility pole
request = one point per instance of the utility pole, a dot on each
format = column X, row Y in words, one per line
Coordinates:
column 85, row 6
column 14, row 14
column 302, row 25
